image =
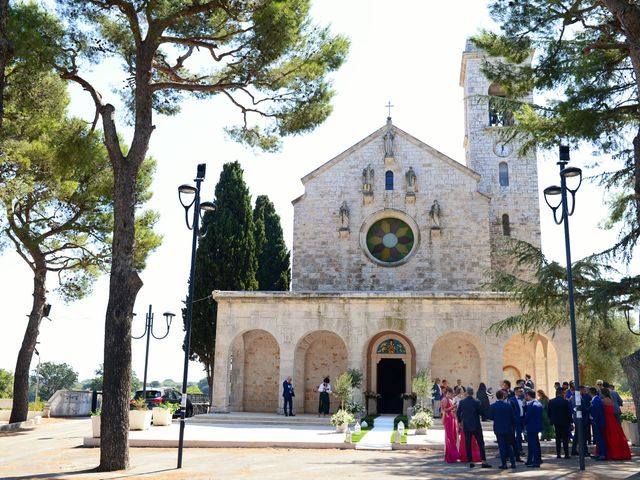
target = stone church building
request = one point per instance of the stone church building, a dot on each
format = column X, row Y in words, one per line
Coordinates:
column 393, row 241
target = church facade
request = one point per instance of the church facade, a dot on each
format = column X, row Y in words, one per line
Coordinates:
column 393, row 242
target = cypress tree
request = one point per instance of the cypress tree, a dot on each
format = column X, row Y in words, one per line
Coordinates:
column 225, row 260
column 274, row 272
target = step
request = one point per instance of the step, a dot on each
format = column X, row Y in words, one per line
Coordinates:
column 257, row 419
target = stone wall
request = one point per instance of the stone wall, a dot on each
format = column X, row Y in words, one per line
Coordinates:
column 261, row 372
column 454, row 257
column 455, row 357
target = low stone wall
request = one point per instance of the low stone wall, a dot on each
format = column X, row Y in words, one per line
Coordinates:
column 70, row 403
column 5, row 415
column 6, row 402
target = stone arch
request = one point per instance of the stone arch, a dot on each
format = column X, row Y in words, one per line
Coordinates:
column 372, row 357
column 318, row 354
column 255, row 370
column 459, row 354
column 533, row 354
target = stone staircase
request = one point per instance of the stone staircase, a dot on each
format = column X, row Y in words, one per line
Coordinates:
column 258, row 418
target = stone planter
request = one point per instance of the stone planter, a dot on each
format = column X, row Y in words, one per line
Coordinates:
column 139, row 419
column 161, row 416
column 342, row 428
column 95, row 426
column 421, row 431
column 372, row 406
column 631, row 432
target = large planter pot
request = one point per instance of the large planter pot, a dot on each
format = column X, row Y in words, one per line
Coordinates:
column 161, row 416
column 421, row 431
column 139, row 419
column 95, row 426
column 342, row 428
column 631, row 432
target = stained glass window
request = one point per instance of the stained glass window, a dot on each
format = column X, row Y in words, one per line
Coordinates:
column 391, row 346
column 390, row 240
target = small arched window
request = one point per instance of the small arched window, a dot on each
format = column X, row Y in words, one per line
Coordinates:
column 499, row 116
column 388, row 180
column 503, row 173
column 506, row 226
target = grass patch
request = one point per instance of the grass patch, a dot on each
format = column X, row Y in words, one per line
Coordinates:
column 403, row 439
column 356, row 437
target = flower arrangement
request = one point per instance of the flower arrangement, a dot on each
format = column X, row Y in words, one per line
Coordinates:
column 96, row 413
column 421, row 407
column 371, row 395
column 341, row 417
column 628, row 417
column 422, row 419
column 354, row 407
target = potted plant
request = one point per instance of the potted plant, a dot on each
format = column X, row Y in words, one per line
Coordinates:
column 163, row 413
column 421, row 421
column 341, row 420
column 630, row 427
column 140, row 417
column 95, row 423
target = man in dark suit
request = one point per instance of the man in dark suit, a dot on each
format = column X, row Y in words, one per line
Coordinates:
column 469, row 414
column 504, row 421
column 288, row 394
column 533, row 422
column 597, row 421
column 518, row 406
column 559, row 411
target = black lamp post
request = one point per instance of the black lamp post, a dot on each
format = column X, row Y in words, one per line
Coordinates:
column 184, row 192
column 552, row 193
column 148, row 331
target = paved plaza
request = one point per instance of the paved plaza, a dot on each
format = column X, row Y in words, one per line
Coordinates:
column 54, row 450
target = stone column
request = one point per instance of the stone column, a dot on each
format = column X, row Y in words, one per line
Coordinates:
column 494, row 348
column 221, row 377
column 287, row 349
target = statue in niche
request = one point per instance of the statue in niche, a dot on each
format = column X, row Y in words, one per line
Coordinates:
column 367, row 179
column 410, row 178
column 388, row 143
column 344, row 216
column 434, row 214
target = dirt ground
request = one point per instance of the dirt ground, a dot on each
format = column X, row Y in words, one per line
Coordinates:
column 53, row 450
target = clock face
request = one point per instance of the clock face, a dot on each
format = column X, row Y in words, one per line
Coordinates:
column 502, row 149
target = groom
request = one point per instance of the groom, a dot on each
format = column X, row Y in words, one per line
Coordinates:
column 469, row 414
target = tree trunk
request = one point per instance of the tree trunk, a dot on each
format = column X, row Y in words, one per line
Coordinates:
column 631, row 366
column 123, row 288
column 628, row 15
column 20, row 407
column 209, row 371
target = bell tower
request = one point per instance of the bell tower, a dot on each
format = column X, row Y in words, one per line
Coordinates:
column 509, row 179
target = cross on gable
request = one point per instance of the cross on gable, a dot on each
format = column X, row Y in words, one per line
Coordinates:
column 389, row 106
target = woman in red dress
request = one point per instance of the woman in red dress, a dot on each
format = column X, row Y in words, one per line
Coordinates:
column 450, row 427
column 617, row 446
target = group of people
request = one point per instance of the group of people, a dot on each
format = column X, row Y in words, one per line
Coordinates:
column 324, row 402
column 525, row 415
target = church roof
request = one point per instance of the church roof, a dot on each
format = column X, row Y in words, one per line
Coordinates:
column 410, row 138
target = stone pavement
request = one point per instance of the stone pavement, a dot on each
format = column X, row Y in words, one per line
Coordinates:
column 51, row 451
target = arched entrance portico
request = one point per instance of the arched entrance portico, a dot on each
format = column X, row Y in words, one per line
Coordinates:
column 390, row 368
column 459, row 355
column 533, row 354
column 318, row 354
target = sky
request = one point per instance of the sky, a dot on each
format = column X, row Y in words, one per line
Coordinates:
column 406, row 52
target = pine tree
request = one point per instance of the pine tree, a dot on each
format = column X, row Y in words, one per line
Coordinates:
column 274, row 272
column 225, row 260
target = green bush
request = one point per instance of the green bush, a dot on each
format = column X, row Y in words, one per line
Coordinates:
column 370, row 419
column 398, row 419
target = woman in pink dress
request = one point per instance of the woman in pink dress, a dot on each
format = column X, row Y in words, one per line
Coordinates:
column 450, row 428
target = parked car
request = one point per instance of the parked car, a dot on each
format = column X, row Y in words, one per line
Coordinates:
column 156, row 396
